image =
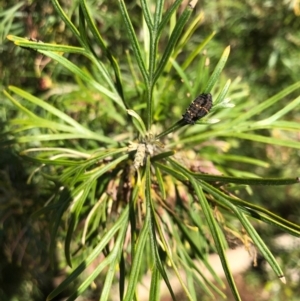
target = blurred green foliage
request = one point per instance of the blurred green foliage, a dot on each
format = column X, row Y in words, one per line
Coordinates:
column 265, row 41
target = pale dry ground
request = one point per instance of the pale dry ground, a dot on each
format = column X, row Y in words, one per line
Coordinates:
column 239, row 261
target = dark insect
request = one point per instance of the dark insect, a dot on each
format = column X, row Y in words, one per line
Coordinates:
column 31, row 40
column 198, row 108
column 34, row 40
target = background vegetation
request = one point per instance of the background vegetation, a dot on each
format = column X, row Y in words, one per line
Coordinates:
column 264, row 40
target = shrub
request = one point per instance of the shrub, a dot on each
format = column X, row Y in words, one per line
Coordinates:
column 127, row 176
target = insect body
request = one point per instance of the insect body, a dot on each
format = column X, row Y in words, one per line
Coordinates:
column 31, row 40
column 198, row 108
